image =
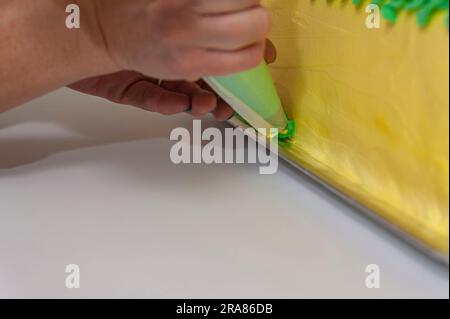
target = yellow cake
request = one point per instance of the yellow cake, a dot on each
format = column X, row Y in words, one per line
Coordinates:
column 372, row 108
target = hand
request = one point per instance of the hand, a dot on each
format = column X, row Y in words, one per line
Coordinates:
column 184, row 39
column 172, row 97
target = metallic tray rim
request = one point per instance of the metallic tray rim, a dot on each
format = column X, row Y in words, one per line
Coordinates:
column 361, row 208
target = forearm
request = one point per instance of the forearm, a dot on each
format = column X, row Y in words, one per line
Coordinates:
column 39, row 54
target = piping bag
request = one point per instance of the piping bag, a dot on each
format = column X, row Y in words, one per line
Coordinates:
column 252, row 94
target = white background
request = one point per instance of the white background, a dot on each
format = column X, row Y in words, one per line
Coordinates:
column 87, row 182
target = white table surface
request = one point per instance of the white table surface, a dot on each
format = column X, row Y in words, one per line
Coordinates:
column 87, row 182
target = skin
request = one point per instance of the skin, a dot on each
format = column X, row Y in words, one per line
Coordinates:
column 123, row 47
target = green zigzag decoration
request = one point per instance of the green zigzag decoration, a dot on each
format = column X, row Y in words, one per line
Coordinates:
column 425, row 9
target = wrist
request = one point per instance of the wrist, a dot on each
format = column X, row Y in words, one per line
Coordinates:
column 94, row 57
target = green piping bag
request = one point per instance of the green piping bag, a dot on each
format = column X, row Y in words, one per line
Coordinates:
column 252, row 94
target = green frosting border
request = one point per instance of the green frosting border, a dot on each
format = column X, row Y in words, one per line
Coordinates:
column 289, row 132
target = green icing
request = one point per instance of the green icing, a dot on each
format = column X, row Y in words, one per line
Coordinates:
column 289, row 132
column 424, row 9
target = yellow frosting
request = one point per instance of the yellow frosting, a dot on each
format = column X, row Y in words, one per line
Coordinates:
column 372, row 109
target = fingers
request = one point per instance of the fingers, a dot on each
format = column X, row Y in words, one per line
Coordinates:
column 223, row 112
column 220, row 6
column 218, row 63
column 234, row 31
column 172, row 39
column 229, row 42
column 171, row 98
column 151, row 97
column 202, row 101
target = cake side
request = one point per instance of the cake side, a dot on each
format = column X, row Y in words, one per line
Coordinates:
column 372, row 108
